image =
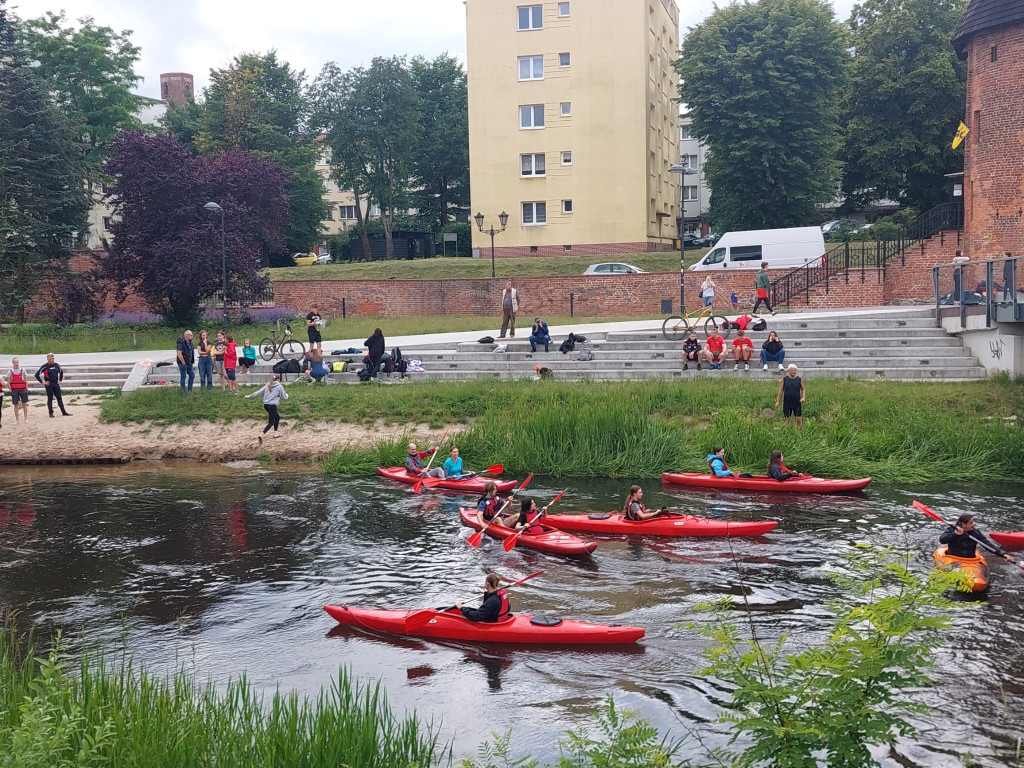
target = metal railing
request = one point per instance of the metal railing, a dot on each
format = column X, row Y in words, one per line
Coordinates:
column 242, row 297
column 842, row 259
column 986, row 286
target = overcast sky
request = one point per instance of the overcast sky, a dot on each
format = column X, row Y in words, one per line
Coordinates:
column 198, row 35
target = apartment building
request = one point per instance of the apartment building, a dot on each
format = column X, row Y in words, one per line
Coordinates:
column 341, row 213
column 696, row 195
column 573, row 124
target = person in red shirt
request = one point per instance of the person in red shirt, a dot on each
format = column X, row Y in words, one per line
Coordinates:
column 742, row 349
column 714, row 349
column 231, row 363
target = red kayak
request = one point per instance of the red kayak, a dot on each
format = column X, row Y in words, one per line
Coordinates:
column 540, row 537
column 663, row 525
column 470, row 485
column 521, row 628
column 1015, row 539
column 764, row 483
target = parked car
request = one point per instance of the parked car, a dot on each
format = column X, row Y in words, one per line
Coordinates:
column 707, row 241
column 324, row 258
column 304, row 259
column 613, row 268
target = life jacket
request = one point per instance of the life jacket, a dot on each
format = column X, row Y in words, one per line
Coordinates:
column 713, row 459
column 18, row 380
column 629, row 510
column 505, row 610
column 491, row 507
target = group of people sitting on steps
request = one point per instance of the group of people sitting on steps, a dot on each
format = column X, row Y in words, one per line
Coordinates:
column 714, row 353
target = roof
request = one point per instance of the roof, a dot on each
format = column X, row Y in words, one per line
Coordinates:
column 983, row 15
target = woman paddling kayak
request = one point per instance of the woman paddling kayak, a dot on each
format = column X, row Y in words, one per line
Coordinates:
column 961, row 540
column 494, row 605
column 634, row 508
column 488, row 506
column 453, row 467
column 527, row 512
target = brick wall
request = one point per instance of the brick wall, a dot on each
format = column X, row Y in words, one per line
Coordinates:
column 910, row 278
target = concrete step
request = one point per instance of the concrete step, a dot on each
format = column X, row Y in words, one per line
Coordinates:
column 798, row 333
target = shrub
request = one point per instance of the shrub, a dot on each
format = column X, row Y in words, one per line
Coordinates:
column 74, row 301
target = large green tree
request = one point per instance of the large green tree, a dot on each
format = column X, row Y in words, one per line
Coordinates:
column 905, row 96
column 762, row 81
column 42, row 199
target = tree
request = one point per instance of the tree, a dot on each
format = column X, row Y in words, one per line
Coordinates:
column 762, row 81
column 173, row 257
column 905, row 95
column 441, row 164
column 43, row 202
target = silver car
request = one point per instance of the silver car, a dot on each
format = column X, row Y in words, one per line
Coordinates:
column 613, row 268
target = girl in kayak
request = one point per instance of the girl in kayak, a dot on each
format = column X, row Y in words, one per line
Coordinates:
column 495, row 602
column 414, row 462
column 716, row 460
column 453, row 466
column 961, row 540
column 490, row 504
column 527, row 512
column 777, row 470
column 634, row 508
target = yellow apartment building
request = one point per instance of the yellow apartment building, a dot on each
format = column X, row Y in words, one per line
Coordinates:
column 573, row 124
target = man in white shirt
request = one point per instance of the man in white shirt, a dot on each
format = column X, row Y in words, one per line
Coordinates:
column 509, row 307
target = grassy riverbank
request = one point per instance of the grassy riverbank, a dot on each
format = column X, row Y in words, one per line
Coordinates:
column 911, row 432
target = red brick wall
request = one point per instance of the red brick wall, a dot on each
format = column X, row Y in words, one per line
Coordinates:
column 595, row 249
column 994, row 150
column 910, row 278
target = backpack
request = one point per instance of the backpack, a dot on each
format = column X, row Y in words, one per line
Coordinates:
column 568, row 345
column 396, row 355
column 585, row 354
column 759, row 325
column 486, row 340
column 387, row 364
column 281, row 366
column 364, row 374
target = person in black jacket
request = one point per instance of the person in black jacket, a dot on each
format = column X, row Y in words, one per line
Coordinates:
column 962, row 539
column 779, row 471
column 374, row 350
column 51, row 375
column 691, row 351
column 495, row 602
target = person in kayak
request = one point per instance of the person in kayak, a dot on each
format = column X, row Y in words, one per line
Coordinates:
column 453, row 467
column 495, row 602
column 716, row 460
column 777, row 470
column 961, row 540
column 634, row 508
column 488, row 506
column 414, row 462
column 527, row 512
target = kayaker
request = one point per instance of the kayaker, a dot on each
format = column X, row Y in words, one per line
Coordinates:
column 961, row 540
column 488, row 505
column 527, row 512
column 791, row 395
column 494, row 605
column 453, row 466
column 414, row 462
column 716, row 460
column 779, row 471
column 634, row 508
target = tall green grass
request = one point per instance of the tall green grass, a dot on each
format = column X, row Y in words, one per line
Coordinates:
column 57, row 714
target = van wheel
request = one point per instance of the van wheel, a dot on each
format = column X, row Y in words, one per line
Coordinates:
column 719, row 323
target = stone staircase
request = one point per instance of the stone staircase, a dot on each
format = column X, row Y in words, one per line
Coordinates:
column 86, row 378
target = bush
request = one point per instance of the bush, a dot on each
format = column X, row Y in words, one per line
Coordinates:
column 465, row 232
column 74, row 301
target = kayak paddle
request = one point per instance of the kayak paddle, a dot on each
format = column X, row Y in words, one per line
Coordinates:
column 934, row 516
column 494, row 469
column 510, row 542
column 477, row 537
column 418, row 619
column 419, row 483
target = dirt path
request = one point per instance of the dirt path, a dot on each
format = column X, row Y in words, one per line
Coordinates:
column 81, row 436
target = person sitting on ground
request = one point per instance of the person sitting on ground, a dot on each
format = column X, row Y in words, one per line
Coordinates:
column 779, row 471
column 714, row 349
column 742, row 348
column 248, row 358
column 772, row 350
column 495, row 602
column 315, row 368
column 453, row 466
column 716, row 460
column 374, row 350
column 414, row 462
column 962, row 539
column 634, row 508
column 691, row 351
column 539, row 335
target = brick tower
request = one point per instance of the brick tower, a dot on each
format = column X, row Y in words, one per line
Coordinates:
column 176, row 87
column 990, row 37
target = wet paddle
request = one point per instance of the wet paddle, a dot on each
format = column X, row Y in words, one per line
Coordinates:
column 935, row 516
column 510, row 542
column 418, row 619
column 419, row 483
column 477, row 537
column 494, row 469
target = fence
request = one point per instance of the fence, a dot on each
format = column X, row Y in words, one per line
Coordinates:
column 242, row 297
column 989, row 287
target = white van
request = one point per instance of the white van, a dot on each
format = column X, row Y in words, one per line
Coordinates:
column 781, row 248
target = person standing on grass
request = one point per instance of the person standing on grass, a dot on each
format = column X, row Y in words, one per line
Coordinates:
column 791, row 395
column 231, row 363
column 186, row 359
column 313, row 328
column 509, row 307
column 273, row 394
column 763, row 284
column 51, row 375
column 17, row 383
column 219, row 348
column 742, row 349
column 204, row 351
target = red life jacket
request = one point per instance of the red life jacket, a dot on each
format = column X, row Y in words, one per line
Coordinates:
column 629, row 510
column 724, row 465
column 505, row 610
column 18, row 380
column 743, row 321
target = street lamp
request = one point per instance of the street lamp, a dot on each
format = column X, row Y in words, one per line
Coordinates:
column 223, row 258
column 503, row 219
column 684, row 171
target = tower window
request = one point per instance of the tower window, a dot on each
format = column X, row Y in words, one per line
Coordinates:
column 995, row 53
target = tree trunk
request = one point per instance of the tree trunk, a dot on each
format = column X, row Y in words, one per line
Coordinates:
column 387, row 218
column 364, row 237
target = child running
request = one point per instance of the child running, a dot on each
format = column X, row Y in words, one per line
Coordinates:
column 273, row 395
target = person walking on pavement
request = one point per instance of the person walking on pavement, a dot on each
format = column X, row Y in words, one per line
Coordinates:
column 509, row 307
column 17, row 382
column 186, row 358
column 51, row 375
column 763, row 284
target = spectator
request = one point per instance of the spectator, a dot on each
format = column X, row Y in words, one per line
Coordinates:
column 791, row 395
column 186, row 359
column 204, row 351
column 2, row 402
column 707, row 291
column 219, row 348
column 691, row 351
column 539, row 335
column 248, row 358
column 763, row 284
column 374, row 350
column 315, row 368
column 51, row 375
column 231, row 363
column 735, row 299
column 742, row 349
column 714, row 349
column 17, row 383
column 772, row 350
column 509, row 307
column 273, row 394
column 313, row 323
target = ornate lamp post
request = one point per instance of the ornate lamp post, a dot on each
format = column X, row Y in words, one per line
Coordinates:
column 503, row 219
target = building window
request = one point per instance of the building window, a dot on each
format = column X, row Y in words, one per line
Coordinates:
column 347, row 212
column 106, row 223
column 995, row 53
column 531, row 16
column 567, row 158
column 533, row 249
column 532, row 165
column 563, row 59
column 531, row 67
column 375, row 209
column 567, row 206
column 566, row 247
column 566, row 108
column 689, row 193
column 535, row 214
column 688, row 161
column 531, row 116
column 685, row 132
column 977, row 126
column 563, row 9
column 325, row 157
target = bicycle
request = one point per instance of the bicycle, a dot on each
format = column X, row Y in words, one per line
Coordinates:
column 676, row 328
column 270, row 347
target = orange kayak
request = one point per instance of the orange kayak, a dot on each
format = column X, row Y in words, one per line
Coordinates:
column 976, row 567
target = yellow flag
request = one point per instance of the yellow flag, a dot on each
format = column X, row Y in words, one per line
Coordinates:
column 961, row 134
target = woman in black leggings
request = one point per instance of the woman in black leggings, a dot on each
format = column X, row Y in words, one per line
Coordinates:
column 273, row 393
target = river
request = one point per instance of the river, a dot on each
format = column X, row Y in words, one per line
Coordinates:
column 224, row 569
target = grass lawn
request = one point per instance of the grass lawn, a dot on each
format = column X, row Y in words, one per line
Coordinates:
column 912, row 432
column 537, row 266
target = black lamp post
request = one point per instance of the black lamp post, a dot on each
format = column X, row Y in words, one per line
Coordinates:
column 223, row 258
column 684, row 171
column 503, row 219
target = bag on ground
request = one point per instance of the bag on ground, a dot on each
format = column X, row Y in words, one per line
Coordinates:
column 281, row 366
column 759, row 325
column 568, row 345
column 585, row 354
column 486, row 340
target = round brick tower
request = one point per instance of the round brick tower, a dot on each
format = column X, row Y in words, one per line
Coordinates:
column 176, row 87
column 990, row 37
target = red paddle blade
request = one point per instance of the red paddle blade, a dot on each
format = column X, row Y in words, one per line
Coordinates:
column 444, row 435
column 418, row 486
column 927, row 511
column 494, row 469
column 510, row 543
column 431, row 482
column 525, row 482
column 527, row 578
column 476, row 538
column 557, row 497
column 416, row 620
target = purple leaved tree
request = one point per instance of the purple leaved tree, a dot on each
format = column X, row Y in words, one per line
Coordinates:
column 165, row 246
